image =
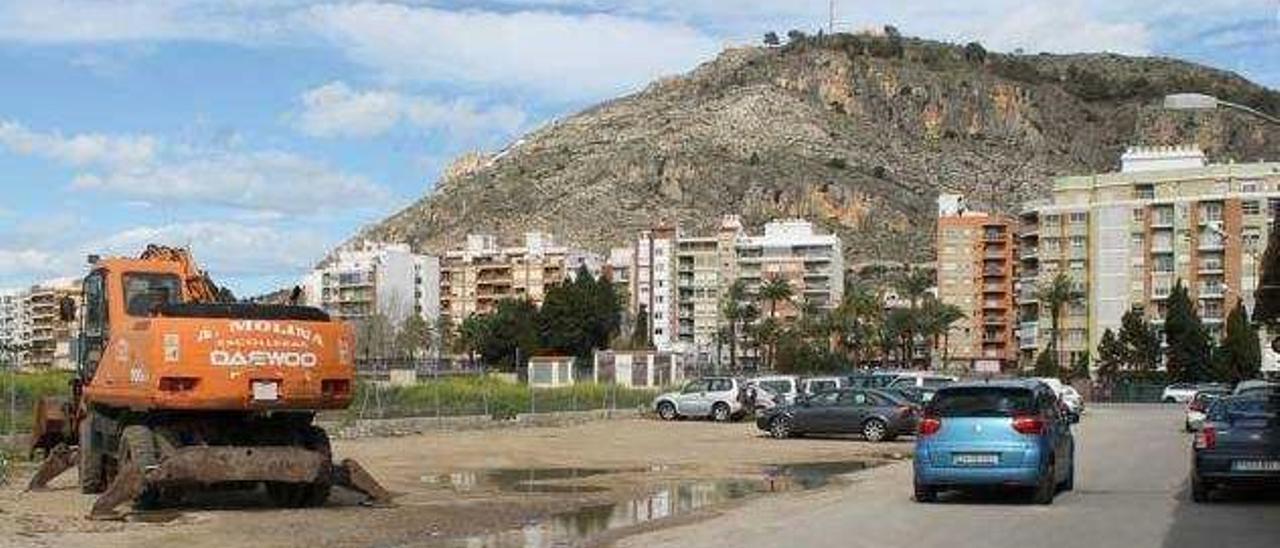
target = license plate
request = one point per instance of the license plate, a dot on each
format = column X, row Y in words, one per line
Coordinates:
column 266, row 391
column 1256, row 465
column 976, row 459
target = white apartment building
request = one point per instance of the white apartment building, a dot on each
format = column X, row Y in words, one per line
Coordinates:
column 791, row 249
column 653, row 291
column 14, row 327
column 376, row 278
column 29, row 320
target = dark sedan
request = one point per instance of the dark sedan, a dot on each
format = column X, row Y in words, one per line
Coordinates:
column 877, row 415
column 1239, row 444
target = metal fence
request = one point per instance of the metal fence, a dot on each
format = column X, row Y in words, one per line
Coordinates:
column 449, row 396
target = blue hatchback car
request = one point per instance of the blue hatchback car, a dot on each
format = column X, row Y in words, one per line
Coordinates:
column 998, row 433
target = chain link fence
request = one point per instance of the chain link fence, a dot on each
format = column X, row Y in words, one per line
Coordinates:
column 453, row 396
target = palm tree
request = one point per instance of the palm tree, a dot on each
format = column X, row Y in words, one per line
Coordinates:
column 773, row 291
column 913, row 284
column 1059, row 292
column 856, row 320
column 733, row 308
column 940, row 318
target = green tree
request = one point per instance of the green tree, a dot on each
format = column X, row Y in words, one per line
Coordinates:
column 856, row 321
column 472, row 335
column 640, row 330
column 1189, row 348
column 975, row 53
column 445, row 334
column 771, row 39
column 375, row 338
column 1079, row 367
column 1111, row 355
column 1139, row 343
column 937, row 320
column 579, row 317
column 1240, row 355
column 899, row 334
column 1047, row 363
column 413, row 339
column 512, row 335
column 1057, row 294
column 733, row 308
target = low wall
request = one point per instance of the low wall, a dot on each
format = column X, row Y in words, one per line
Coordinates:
column 408, row 426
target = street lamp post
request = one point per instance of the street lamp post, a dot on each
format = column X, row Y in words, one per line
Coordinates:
column 1200, row 101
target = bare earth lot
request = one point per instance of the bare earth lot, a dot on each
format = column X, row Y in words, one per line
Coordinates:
column 608, row 478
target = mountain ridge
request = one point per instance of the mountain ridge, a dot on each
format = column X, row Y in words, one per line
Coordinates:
column 857, row 133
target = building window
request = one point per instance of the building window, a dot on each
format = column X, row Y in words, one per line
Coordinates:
column 1163, row 263
column 1248, row 186
column 1250, row 207
column 1078, row 218
column 1144, row 192
column 1051, row 219
column 1077, row 242
column 1138, row 214
column 1211, row 212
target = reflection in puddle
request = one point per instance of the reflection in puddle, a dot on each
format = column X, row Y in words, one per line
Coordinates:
column 523, row 480
column 667, row 499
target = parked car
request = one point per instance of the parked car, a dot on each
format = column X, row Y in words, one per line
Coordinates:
column 922, row 380
column 816, row 385
column 919, row 396
column 1239, row 444
column 785, row 388
column 997, row 433
column 1198, row 407
column 874, row 379
column 1066, row 393
column 1253, row 386
column 714, row 397
column 1180, row 392
column 875, row 414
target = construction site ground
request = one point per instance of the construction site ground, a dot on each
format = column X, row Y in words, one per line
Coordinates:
column 585, row 484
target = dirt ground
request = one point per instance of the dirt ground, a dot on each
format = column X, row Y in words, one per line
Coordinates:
column 447, row 488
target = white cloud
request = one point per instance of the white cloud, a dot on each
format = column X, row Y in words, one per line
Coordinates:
column 84, row 149
column 263, row 181
column 26, row 263
column 143, row 168
column 556, row 54
column 335, row 109
column 224, row 249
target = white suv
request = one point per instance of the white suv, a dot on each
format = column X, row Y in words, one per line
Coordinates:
column 714, row 397
column 1178, row 393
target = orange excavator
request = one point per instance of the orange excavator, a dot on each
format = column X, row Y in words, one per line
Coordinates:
column 178, row 390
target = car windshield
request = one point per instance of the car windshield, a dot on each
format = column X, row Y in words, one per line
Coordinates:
column 981, row 401
column 144, row 292
column 776, row 386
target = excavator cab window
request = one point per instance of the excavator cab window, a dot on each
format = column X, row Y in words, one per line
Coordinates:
column 144, row 293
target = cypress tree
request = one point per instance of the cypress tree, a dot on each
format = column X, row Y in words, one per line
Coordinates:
column 1187, row 357
column 1240, row 356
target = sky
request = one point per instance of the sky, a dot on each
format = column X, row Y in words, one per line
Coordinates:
column 264, row 132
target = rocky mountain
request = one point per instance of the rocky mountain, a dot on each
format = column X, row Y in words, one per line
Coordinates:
column 856, row 132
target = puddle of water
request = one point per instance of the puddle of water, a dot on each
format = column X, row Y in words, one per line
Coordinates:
column 666, row 500
column 523, row 480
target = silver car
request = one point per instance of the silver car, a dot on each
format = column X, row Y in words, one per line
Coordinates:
column 716, row 397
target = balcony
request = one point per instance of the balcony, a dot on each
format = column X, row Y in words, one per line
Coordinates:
column 1211, row 291
column 993, row 271
column 1211, row 267
column 994, row 319
column 1215, row 244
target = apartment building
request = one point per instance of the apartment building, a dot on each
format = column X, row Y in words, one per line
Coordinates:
column 1125, row 238
column 794, row 251
column 14, row 330
column 678, row 281
column 30, row 328
column 474, row 278
column 376, row 278
column 975, row 273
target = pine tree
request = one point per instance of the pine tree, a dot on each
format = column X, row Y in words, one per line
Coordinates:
column 1139, row 343
column 1111, row 355
column 1187, row 357
column 1047, row 362
column 1240, row 356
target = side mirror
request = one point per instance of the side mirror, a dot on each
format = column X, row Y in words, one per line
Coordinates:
column 67, row 309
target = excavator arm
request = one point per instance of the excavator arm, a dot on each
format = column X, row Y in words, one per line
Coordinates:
column 199, row 286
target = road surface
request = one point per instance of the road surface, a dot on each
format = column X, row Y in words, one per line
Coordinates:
column 1131, row 491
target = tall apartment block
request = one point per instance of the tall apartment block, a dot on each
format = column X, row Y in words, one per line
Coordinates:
column 976, row 268
column 1125, row 238
column 474, row 278
column 31, row 328
column 377, row 278
column 679, row 281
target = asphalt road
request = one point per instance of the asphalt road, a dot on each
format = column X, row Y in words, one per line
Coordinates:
column 1131, row 491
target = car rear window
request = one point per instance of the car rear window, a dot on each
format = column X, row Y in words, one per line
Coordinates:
column 1255, row 408
column 982, row 401
column 777, row 387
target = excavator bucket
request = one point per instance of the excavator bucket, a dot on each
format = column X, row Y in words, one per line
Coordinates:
column 216, row 464
column 61, row 458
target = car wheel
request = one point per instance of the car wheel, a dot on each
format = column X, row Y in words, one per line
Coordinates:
column 1045, row 490
column 874, row 430
column 1199, row 490
column 780, row 427
column 925, row 493
column 667, row 411
column 720, row 412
